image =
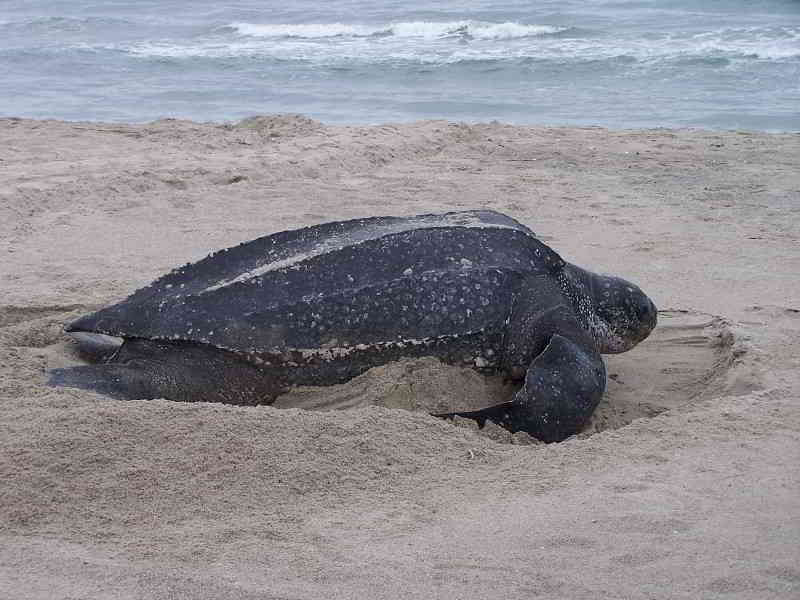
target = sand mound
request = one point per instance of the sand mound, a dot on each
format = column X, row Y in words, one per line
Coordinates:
column 274, row 126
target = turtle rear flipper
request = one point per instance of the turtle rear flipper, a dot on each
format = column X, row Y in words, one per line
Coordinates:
column 95, row 347
column 185, row 372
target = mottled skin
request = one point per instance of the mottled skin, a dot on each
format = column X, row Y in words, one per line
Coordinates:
column 320, row 305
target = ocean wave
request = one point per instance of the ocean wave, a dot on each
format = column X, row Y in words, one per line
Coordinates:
column 308, row 30
column 437, row 43
column 411, row 29
column 772, row 43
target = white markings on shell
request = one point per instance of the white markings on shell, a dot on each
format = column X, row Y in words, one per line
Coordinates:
column 353, row 238
column 273, row 266
column 329, row 353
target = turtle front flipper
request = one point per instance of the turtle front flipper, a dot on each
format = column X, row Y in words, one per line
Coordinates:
column 180, row 371
column 563, row 386
column 563, row 373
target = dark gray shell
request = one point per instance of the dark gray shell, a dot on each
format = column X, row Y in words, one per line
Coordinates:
column 361, row 282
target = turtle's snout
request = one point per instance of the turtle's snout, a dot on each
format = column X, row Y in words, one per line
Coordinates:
column 636, row 320
column 648, row 316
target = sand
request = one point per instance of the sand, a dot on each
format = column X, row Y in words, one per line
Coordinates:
column 685, row 485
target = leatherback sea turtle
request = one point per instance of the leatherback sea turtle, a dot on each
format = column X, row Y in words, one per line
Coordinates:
column 320, row 305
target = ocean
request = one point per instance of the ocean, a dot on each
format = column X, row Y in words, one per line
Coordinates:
column 718, row 64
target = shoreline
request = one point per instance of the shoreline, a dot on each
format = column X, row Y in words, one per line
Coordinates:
column 235, row 121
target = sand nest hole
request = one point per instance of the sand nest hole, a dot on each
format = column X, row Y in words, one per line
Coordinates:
column 684, row 360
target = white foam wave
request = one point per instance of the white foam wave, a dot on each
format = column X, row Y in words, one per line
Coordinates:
column 411, row 29
column 309, row 30
column 508, row 31
column 434, row 43
column 773, row 43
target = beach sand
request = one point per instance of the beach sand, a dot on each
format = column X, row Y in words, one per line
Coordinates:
column 685, row 485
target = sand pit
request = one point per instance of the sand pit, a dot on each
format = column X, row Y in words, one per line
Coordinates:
column 693, row 353
column 684, row 484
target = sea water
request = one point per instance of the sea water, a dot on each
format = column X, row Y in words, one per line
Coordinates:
column 728, row 64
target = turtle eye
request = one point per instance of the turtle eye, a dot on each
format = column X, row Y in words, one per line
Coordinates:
column 646, row 308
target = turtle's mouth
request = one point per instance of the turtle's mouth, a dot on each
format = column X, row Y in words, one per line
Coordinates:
column 631, row 337
column 616, row 344
column 624, row 331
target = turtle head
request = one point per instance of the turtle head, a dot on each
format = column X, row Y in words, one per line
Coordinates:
column 615, row 312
